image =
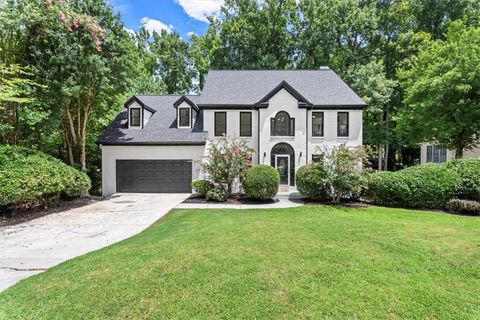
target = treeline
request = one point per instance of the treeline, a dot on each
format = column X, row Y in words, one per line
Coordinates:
column 66, row 67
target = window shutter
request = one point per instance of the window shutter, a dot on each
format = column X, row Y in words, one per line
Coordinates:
column 272, row 126
column 292, row 126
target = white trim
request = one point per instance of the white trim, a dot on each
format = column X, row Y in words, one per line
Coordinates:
column 189, row 117
column 288, row 163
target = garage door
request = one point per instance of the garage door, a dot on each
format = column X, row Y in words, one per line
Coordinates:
column 156, row 176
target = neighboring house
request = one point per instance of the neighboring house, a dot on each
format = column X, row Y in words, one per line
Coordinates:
column 437, row 154
column 157, row 143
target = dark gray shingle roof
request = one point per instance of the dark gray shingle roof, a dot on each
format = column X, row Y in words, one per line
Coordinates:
column 247, row 87
column 160, row 129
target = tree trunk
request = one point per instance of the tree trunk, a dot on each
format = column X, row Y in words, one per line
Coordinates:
column 68, row 145
column 459, row 152
column 379, row 157
column 385, row 165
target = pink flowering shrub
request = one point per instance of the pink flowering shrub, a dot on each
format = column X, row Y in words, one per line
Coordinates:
column 227, row 159
column 344, row 166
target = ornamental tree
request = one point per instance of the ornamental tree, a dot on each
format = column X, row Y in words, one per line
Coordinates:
column 227, row 160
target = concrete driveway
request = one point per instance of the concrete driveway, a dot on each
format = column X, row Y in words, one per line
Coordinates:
column 37, row 245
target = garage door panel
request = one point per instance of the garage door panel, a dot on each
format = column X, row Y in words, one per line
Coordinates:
column 162, row 176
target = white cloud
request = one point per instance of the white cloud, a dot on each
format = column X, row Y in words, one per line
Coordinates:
column 131, row 32
column 191, row 33
column 201, row 9
column 155, row 25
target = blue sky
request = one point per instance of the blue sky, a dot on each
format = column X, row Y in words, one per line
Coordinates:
column 181, row 16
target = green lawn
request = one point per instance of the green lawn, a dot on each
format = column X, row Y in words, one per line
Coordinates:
column 306, row 262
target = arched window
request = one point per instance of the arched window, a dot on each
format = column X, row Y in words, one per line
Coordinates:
column 282, row 125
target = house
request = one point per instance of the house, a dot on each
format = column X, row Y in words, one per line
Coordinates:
column 156, row 144
column 433, row 153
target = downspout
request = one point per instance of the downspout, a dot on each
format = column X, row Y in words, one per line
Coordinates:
column 306, row 138
column 258, row 134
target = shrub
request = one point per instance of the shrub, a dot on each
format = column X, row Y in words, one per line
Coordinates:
column 30, row 178
column 313, row 182
column 217, row 194
column 202, row 186
column 469, row 172
column 345, row 170
column 426, row 186
column 261, row 182
column 227, row 159
column 469, row 207
column 387, row 188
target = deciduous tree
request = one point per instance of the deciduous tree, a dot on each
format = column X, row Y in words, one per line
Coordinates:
column 442, row 91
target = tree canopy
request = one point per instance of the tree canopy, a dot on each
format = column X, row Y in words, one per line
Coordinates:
column 442, row 91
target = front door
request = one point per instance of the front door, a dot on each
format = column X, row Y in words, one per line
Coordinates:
column 282, row 164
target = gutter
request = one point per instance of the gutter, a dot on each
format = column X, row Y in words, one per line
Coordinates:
column 164, row 143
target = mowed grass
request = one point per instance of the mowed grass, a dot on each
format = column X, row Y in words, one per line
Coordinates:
column 306, row 262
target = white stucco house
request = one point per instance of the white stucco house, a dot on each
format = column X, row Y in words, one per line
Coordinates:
column 156, row 144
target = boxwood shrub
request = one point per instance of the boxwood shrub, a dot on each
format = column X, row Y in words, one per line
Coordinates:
column 425, row 186
column 29, row 178
column 202, row 186
column 261, row 182
column 469, row 172
column 313, row 182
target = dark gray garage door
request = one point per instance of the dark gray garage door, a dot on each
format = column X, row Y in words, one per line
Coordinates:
column 154, row 176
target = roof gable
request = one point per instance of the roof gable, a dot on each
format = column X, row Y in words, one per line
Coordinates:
column 263, row 103
column 140, row 102
column 187, row 100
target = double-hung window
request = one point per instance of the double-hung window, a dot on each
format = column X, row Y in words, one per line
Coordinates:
column 317, row 124
column 220, row 123
column 184, row 117
column 245, row 124
column 342, row 124
column 135, row 117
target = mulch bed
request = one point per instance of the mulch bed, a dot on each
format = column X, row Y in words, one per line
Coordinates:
column 25, row 215
column 343, row 203
column 237, row 199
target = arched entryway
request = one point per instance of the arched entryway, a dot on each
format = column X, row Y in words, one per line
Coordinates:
column 283, row 158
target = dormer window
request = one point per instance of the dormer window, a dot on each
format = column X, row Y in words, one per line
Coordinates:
column 184, row 117
column 134, row 117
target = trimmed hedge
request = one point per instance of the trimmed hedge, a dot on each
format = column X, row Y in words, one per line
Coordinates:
column 313, row 182
column 469, row 207
column 202, row 186
column 261, row 182
column 425, row 186
column 29, row 178
column 469, row 172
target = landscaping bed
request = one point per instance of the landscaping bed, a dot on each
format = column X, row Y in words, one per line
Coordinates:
column 26, row 215
column 235, row 199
